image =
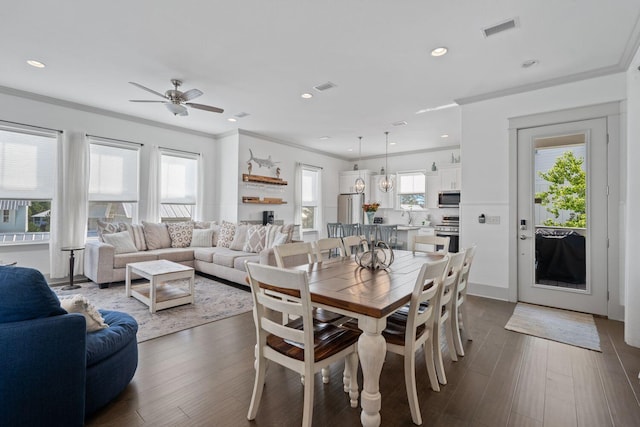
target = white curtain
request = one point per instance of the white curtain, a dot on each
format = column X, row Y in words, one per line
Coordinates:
column 69, row 205
column 153, row 188
column 198, row 213
column 321, row 226
column 297, row 197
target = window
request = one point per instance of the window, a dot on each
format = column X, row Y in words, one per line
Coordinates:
column 27, row 177
column 310, row 198
column 411, row 190
column 178, row 186
column 113, row 183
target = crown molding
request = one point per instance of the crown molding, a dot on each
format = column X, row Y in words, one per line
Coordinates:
column 408, row 153
column 289, row 144
column 95, row 110
column 599, row 72
column 632, row 46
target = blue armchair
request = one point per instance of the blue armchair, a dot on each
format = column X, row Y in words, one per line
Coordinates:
column 51, row 371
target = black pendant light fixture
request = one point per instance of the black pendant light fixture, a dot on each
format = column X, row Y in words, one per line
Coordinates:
column 386, row 183
column 360, row 185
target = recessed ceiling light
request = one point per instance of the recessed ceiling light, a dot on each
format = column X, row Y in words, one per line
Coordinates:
column 530, row 63
column 324, row 137
column 35, row 63
column 444, row 135
column 232, row 119
column 306, row 95
column 399, row 123
column 392, row 143
column 439, row 51
column 439, row 107
column 349, row 149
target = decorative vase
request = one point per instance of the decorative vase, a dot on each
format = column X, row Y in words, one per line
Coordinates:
column 370, row 216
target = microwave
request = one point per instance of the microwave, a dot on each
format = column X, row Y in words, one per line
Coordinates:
column 449, row 199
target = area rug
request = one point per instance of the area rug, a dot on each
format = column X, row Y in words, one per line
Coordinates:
column 569, row 327
column 213, row 301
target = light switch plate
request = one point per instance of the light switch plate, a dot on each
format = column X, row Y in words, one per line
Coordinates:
column 493, row 220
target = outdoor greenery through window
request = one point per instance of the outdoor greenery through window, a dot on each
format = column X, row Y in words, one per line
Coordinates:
column 178, row 186
column 411, row 190
column 113, row 183
column 27, row 179
column 310, row 198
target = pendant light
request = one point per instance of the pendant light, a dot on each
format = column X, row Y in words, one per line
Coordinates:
column 386, row 183
column 359, row 187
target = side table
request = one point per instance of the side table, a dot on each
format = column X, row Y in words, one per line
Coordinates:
column 70, row 249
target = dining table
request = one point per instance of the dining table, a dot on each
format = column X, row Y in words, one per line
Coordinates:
column 370, row 296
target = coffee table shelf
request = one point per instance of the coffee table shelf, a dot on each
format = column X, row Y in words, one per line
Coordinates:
column 158, row 293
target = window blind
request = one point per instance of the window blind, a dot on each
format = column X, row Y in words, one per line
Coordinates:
column 178, row 178
column 113, row 172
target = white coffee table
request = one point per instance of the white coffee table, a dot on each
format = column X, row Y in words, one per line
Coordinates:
column 157, row 293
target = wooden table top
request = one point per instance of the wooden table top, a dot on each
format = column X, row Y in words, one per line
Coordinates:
column 376, row 293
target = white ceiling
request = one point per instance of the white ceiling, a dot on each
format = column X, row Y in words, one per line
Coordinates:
column 258, row 56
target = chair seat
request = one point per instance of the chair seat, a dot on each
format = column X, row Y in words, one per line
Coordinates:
column 396, row 329
column 328, row 340
column 326, row 316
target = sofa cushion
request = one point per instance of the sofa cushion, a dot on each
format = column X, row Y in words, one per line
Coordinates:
column 205, row 254
column 121, row 260
column 78, row 303
column 240, row 237
column 109, row 228
column 175, row 254
column 156, row 235
column 238, row 263
column 256, row 235
column 105, row 342
column 202, row 238
column 180, row 233
column 121, row 242
column 137, row 234
column 226, row 257
column 25, row 295
column 225, row 236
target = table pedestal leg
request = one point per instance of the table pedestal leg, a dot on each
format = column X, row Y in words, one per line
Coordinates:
column 71, row 285
column 372, row 349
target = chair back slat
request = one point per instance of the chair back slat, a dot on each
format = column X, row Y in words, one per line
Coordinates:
column 389, row 235
column 351, row 229
column 433, row 242
column 321, row 246
column 450, row 280
column 288, row 255
column 426, row 292
column 350, row 242
column 334, row 229
column 464, row 274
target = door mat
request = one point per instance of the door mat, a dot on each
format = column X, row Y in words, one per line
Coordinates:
column 569, row 327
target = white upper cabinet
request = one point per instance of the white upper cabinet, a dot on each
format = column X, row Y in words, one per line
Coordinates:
column 375, row 194
column 450, row 177
column 433, row 187
column 347, row 181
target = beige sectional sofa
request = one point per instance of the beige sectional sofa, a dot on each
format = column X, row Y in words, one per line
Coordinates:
column 104, row 261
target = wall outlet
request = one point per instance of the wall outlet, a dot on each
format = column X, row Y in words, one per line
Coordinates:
column 493, row 220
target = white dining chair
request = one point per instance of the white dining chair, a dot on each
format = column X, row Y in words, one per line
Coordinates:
column 351, row 242
column 413, row 327
column 433, row 242
column 460, row 320
column 293, row 254
column 302, row 345
column 443, row 320
column 327, row 246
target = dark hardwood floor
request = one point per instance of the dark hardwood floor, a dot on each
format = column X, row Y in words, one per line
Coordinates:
column 204, row 377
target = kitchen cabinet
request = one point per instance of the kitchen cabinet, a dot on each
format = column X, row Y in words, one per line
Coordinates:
column 450, row 177
column 433, row 187
column 347, row 181
column 406, row 235
column 375, row 194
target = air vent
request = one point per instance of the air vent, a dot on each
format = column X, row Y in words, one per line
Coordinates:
column 242, row 114
column 324, row 86
column 399, row 123
column 503, row 26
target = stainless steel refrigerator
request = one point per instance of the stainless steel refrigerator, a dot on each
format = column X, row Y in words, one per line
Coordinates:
column 350, row 208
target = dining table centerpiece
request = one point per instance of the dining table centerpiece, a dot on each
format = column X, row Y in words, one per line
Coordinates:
column 370, row 209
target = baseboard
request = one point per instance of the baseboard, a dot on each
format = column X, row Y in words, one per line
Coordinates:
column 488, row 291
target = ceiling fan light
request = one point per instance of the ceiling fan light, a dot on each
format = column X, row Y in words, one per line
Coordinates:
column 176, row 109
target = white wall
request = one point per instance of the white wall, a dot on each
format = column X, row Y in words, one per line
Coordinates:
column 42, row 113
column 485, row 175
column 226, row 168
column 287, row 156
column 632, row 242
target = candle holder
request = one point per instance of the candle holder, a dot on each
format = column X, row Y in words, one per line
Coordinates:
column 374, row 254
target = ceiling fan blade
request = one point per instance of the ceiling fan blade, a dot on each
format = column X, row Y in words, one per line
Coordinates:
column 144, row 100
column 177, row 109
column 148, row 90
column 205, row 107
column 191, row 94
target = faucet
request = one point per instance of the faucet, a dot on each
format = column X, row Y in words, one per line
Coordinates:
column 410, row 218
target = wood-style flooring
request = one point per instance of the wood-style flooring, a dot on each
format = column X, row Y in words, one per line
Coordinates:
column 204, row 377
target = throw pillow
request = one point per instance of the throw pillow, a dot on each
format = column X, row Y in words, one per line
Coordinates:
column 202, row 238
column 240, row 237
column 26, row 295
column 288, row 230
column 137, row 234
column 180, row 233
column 79, row 304
column 256, row 235
column 156, row 235
column 109, row 228
column 280, row 239
column 272, row 231
column 121, row 242
column 203, row 224
column 227, row 231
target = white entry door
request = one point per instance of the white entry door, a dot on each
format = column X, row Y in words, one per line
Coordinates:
column 562, row 248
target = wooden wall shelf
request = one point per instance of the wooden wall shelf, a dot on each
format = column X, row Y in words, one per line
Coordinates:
column 265, row 201
column 263, row 179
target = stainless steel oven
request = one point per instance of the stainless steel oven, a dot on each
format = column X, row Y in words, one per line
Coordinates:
column 449, row 199
column 450, row 227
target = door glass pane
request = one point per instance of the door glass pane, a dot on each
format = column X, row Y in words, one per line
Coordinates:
column 560, row 179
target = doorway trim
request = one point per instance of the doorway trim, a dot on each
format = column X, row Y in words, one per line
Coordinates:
column 610, row 111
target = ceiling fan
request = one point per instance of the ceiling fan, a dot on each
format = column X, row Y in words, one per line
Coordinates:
column 176, row 100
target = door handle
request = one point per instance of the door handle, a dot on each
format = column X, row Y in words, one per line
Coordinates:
column 523, row 237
